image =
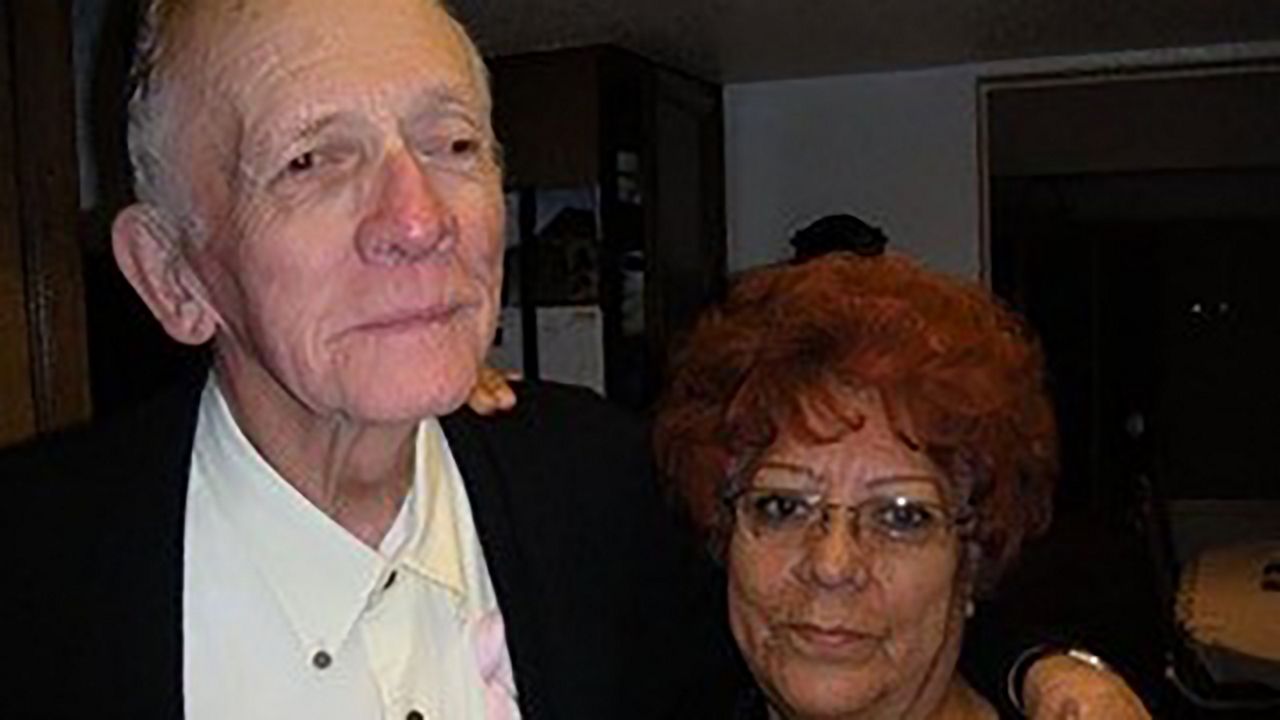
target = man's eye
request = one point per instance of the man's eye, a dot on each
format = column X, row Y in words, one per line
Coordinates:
column 464, row 146
column 301, row 163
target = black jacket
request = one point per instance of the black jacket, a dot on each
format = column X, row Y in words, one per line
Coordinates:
column 610, row 610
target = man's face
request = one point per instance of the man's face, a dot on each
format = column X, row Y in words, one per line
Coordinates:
column 342, row 160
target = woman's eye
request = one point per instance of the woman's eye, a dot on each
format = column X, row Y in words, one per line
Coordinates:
column 905, row 517
column 777, row 509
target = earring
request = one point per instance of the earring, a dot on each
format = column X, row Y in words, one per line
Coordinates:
column 968, row 608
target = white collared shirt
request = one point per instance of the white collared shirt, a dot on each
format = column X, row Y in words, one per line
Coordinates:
column 286, row 614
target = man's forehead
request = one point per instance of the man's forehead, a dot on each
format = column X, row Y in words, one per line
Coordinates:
column 201, row 15
column 265, row 58
column 243, row 75
column 213, row 37
column 222, row 22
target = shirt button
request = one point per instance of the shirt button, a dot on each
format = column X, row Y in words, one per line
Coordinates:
column 413, row 715
column 321, row 660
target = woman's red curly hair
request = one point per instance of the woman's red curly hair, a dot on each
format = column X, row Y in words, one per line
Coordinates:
column 966, row 371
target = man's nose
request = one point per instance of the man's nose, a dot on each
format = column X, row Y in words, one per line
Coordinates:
column 409, row 220
column 834, row 558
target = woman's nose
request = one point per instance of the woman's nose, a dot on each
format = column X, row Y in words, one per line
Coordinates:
column 410, row 220
column 834, row 558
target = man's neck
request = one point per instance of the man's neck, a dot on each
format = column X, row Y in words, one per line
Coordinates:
column 356, row 473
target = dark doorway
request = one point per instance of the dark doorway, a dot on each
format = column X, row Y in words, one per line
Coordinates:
column 1134, row 222
column 1162, row 333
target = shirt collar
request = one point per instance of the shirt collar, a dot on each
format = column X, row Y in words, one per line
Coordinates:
column 437, row 504
column 322, row 575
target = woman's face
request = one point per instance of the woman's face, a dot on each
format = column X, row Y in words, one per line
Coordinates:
column 845, row 614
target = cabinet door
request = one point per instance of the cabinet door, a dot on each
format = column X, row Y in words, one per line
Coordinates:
column 686, row 243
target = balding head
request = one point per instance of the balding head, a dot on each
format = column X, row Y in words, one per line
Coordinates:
column 177, row 42
column 334, row 161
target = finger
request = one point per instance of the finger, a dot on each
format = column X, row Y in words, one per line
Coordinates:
column 491, row 394
column 481, row 402
column 504, row 398
column 494, row 380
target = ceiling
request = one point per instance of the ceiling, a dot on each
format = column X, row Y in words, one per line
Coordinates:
column 747, row 40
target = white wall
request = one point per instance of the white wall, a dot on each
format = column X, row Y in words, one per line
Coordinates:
column 898, row 149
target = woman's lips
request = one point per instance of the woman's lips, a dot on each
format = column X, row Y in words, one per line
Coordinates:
column 833, row 642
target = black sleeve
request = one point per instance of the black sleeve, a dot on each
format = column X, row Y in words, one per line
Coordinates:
column 1085, row 584
column 631, row 607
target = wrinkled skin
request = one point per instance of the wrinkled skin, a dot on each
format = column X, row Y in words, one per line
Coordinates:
column 835, row 629
column 341, row 239
column 360, row 234
column 1061, row 688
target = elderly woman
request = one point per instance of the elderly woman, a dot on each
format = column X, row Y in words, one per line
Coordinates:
column 865, row 444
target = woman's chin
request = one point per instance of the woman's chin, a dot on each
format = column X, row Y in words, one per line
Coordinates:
column 818, row 690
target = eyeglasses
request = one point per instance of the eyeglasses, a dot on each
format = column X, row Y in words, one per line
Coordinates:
column 787, row 519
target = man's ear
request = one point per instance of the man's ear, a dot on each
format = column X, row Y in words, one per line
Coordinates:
column 147, row 249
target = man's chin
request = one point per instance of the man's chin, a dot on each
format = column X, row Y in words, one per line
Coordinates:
column 409, row 397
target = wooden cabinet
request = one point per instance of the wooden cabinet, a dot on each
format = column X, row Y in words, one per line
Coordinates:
column 647, row 143
column 43, row 358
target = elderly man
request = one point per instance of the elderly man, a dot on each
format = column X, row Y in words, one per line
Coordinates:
column 300, row 536
column 312, row 530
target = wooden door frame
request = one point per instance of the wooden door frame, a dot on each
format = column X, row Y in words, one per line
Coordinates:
column 40, row 207
column 987, row 87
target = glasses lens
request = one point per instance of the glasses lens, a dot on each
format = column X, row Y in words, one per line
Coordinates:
column 776, row 513
column 900, row 520
column 785, row 517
